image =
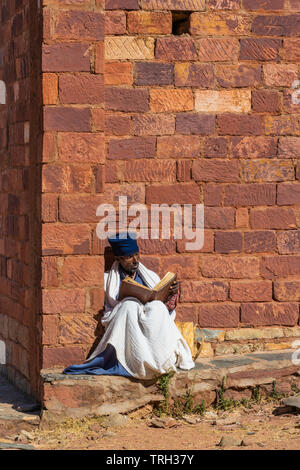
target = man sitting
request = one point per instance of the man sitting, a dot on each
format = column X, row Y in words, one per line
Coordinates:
column 140, row 341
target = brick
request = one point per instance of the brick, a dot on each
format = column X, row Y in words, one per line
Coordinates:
column 49, row 208
column 77, row 329
column 99, row 58
column 66, row 179
column 79, row 208
column 87, row 271
column 291, row 101
column 259, row 241
column 190, row 5
column 186, row 313
column 49, row 147
column 135, row 193
column 200, row 124
column 180, row 48
column 291, row 49
column 117, row 124
column 65, row 239
column 218, row 49
column 280, row 74
column 157, row 247
column 254, row 291
column 129, row 47
column 224, row 4
column 153, row 73
column 215, row 147
column 208, row 246
column 233, row 124
column 214, row 24
column 81, row 147
column 183, row 170
column 149, row 170
column 264, row 5
column 135, row 147
column 218, row 170
column 115, row 22
column 49, row 271
column 194, row 75
column 65, row 57
column 288, row 194
column 264, row 101
column 145, row 22
column 99, row 172
column 294, row 5
column 266, row 170
column 185, row 266
column 218, row 217
column 96, row 299
column 242, row 75
column 272, row 218
column 224, row 101
column 126, row 99
column 271, row 25
column 228, row 242
column 78, row 24
column 97, row 119
column 153, row 124
column 259, row 49
column 178, row 146
column 288, row 242
column 181, row 193
column 118, row 73
column 67, row 119
column 233, row 267
column 171, row 100
column 218, row 316
column 253, row 147
column 62, row 356
column 63, row 300
column 199, row 291
column 50, row 88
column 81, row 89
column 280, row 266
column 287, row 290
column 241, row 217
column 50, row 329
column 213, row 194
column 282, row 125
column 121, row 4
column 268, row 314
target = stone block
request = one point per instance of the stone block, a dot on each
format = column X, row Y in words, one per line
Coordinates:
column 171, row 100
column 214, row 24
column 129, row 48
column 267, row 170
column 225, row 101
column 233, row 267
column 253, row 147
column 194, row 75
column 218, row 49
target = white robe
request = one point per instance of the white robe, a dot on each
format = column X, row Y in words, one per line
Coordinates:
column 145, row 337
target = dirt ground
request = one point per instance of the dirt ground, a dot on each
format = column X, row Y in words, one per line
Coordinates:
column 264, row 426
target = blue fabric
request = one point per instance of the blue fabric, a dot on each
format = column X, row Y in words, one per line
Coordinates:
column 124, row 244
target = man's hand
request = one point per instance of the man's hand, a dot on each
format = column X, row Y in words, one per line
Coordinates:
column 174, row 288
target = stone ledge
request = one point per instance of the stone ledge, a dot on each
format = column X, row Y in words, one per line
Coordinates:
column 86, row 395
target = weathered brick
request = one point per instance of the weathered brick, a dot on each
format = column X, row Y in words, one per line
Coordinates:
column 218, row 217
column 96, row 299
column 253, row 147
column 254, row 291
column 181, row 193
column 79, row 208
column 146, row 22
column 171, row 100
column 259, row 241
column 271, row 25
column 264, row 4
column 294, row 5
column 79, row 25
column 288, row 194
column 62, row 356
column 287, row 290
column 266, row 170
column 97, row 123
column 135, row 193
column 83, row 271
column 50, row 88
column 175, row 48
column 291, row 101
column 77, row 329
column 66, row 178
column 288, row 242
column 67, row 119
column 153, row 124
column 224, row 4
column 211, row 24
column 228, row 242
column 234, row 124
column 280, row 266
column 121, row 4
column 126, row 99
column 49, row 208
column 183, row 172
column 58, row 239
column 282, row 125
column 186, row 312
column 117, row 124
column 157, row 247
column 194, row 75
column 203, row 291
column 115, row 22
column 99, row 58
column 259, row 49
column 118, row 73
column 272, row 218
column 129, row 47
column 99, row 172
column 215, row 147
column 81, row 89
column 65, row 57
column 208, row 246
column 238, row 75
column 241, row 217
column 218, row 170
column 153, row 73
column 218, row 49
column 224, row 101
column 81, row 147
column 291, row 49
column 234, row 267
column 63, row 300
column 221, row 315
column 280, row 74
column 190, row 5
column 201, row 124
column 265, row 101
column 149, row 170
column 186, row 266
column 135, row 147
column 50, row 329
column 178, row 146
column 49, row 271
column 268, row 314
column 213, row 194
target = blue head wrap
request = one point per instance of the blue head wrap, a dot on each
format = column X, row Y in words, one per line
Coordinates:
column 124, row 244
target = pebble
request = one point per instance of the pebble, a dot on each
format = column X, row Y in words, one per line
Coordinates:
column 190, row 419
column 116, row 420
column 230, row 441
column 163, row 422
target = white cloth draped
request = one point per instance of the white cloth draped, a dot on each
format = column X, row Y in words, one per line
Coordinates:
column 145, row 337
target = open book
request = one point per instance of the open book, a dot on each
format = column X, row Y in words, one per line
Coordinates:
column 131, row 288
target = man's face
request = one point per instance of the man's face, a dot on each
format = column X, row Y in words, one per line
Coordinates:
column 130, row 264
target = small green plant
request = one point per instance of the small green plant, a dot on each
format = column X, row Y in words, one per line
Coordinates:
column 295, row 389
column 163, row 383
column 222, row 402
column 256, row 395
